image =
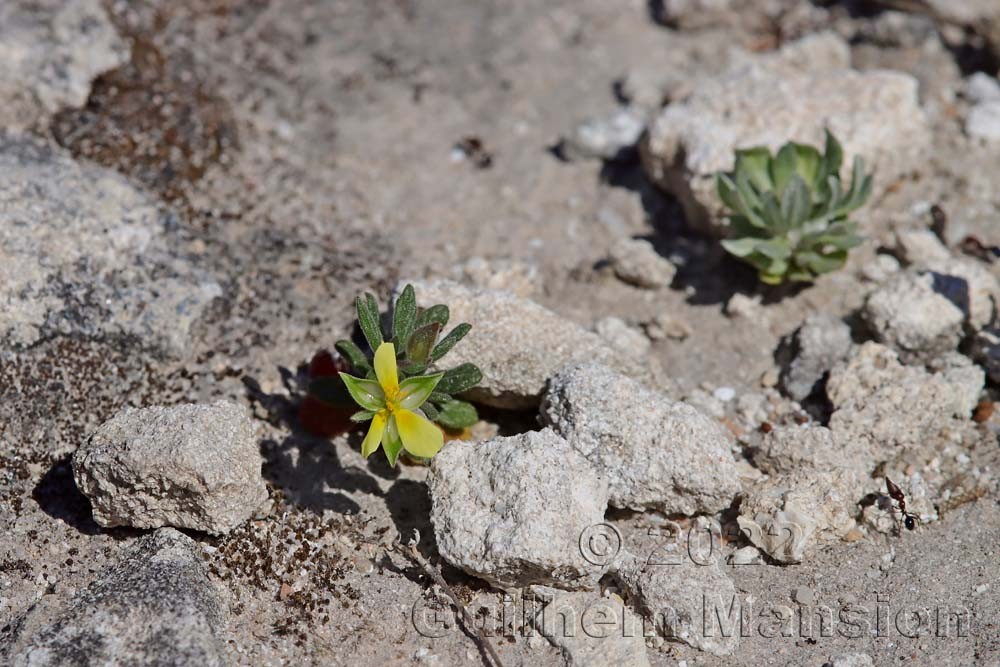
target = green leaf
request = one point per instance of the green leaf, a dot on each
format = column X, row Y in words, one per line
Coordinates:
column 438, row 397
column 778, row 248
column 404, row 315
column 368, row 320
column 833, row 155
column 726, row 188
column 776, row 223
column 392, row 443
column 362, row 415
column 354, row 355
column 366, row 393
column 421, row 342
column 807, row 165
column 409, row 369
column 754, row 163
column 460, row 378
column 330, row 390
column 430, row 411
column 415, row 391
column 795, row 203
column 783, row 167
column 448, row 342
column 740, row 247
column 438, row 314
column 457, row 415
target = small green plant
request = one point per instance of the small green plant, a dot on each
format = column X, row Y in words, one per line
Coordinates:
column 789, row 211
column 414, row 345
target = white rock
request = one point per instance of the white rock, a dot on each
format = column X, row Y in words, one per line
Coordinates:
column 654, row 452
column 591, row 630
column 513, row 511
column 517, row 343
column 786, row 515
column 918, row 246
column 621, row 336
column 789, row 449
column 896, row 407
column 746, row 307
column 188, row 466
column 83, row 253
column 851, row 660
column 983, row 121
column 51, row 51
column 606, row 137
column 767, row 100
column 155, row 606
column 665, row 325
column 976, row 289
column 910, row 314
column 635, row 261
column 879, row 269
column 981, row 87
column 515, row 276
column 678, row 591
column 821, row 342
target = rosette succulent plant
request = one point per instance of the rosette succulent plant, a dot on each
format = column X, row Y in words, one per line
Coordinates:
column 789, row 211
column 402, row 376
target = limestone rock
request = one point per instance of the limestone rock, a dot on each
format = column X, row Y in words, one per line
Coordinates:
column 188, row 466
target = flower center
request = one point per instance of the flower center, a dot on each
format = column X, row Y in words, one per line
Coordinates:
column 392, row 399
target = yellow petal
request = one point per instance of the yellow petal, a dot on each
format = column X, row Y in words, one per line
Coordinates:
column 385, row 368
column 420, row 437
column 375, row 432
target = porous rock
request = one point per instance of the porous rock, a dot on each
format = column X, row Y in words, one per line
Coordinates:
column 678, row 591
column 513, row 510
column 655, row 453
column 606, row 137
column 896, row 407
column 621, row 336
column 767, row 100
column 591, row 630
column 188, row 466
column 913, row 314
column 52, row 50
column 785, row 515
column 84, row 253
column 635, row 261
column 822, row 341
column 154, row 606
column 517, row 343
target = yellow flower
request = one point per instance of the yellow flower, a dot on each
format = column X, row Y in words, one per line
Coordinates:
column 393, row 407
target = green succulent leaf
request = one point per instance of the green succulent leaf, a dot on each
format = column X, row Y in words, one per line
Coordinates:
column 354, row 355
column 789, row 212
column 404, row 315
column 449, row 341
column 430, row 411
column 754, row 162
column 366, row 393
column 421, row 342
column 460, row 378
column 435, row 314
column 368, row 320
column 456, row 415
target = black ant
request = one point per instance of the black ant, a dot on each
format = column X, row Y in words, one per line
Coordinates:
column 896, row 493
